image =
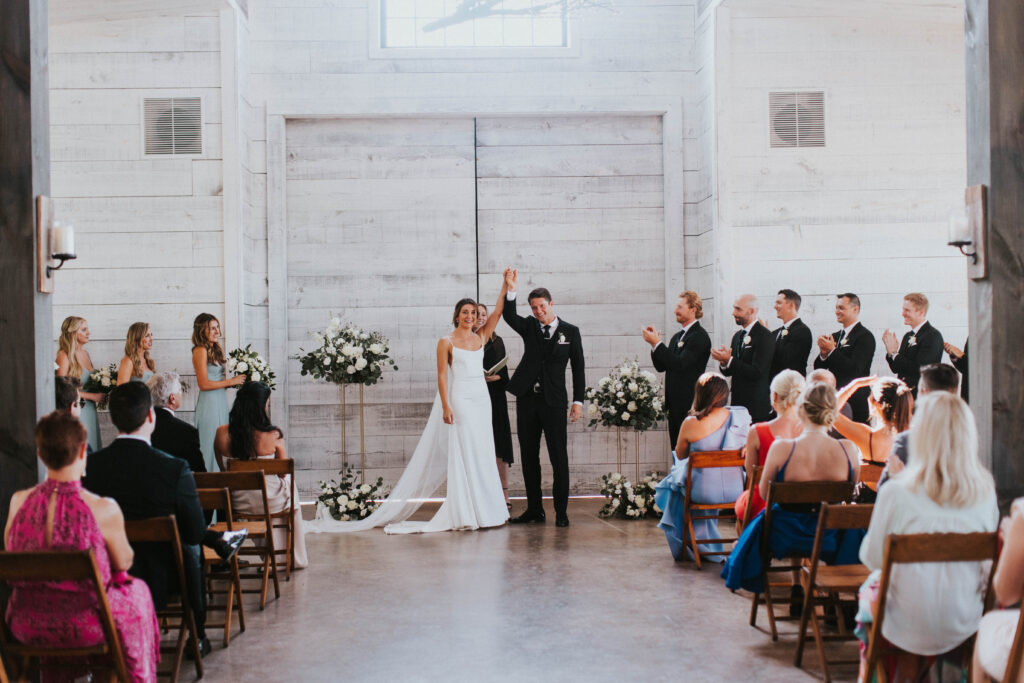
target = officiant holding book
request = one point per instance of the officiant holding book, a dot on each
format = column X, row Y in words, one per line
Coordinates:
column 496, row 375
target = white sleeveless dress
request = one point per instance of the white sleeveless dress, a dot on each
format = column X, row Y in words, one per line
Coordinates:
column 461, row 453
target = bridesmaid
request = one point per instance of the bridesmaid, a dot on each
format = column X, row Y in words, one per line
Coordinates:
column 137, row 366
column 74, row 361
column 494, row 351
column 212, row 405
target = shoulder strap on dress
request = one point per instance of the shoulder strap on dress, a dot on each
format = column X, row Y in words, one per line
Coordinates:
column 849, row 465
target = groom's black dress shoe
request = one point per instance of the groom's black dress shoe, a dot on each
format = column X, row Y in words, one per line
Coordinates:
column 562, row 520
column 528, row 517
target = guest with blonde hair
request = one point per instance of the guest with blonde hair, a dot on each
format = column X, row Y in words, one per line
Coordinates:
column 137, row 365
column 212, row 404
column 934, row 607
column 74, row 361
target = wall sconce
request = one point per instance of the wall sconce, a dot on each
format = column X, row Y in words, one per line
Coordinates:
column 54, row 242
column 968, row 231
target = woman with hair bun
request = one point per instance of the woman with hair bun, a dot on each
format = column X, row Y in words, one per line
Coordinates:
column 890, row 404
column 786, row 389
column 812, row 456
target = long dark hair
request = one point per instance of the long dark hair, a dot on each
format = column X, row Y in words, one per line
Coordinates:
column 248, row 416
column 895, row 402
column 710, row 392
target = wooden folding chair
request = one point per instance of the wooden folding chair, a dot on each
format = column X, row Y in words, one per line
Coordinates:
column 915, row 548
column 789, row 493
column 259, row 526
column 1013, row 665
column 52, row 565
column 283, row 519
column 175, row 614
column 871, row 473
column 715, row 511
column 752, row 483
column 825, row 585
column 219, row 500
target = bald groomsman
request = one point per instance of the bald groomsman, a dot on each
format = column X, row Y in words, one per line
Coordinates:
column 748, row 360
column 920, row 347
column 683, row 359
column 793, row 340
column 848, row 353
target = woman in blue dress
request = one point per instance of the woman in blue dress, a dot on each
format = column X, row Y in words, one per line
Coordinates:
column 812, row 456
column 137, row 366
column 74, row 361
column 711, row 426
column 212, row 404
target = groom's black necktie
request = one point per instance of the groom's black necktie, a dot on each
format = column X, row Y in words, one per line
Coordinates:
column 547, row 331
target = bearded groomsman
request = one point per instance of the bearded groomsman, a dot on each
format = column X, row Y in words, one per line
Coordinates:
column 792, row 340
column 848, row 352
column 748, row 360
column 921, row 346
column 682, row 360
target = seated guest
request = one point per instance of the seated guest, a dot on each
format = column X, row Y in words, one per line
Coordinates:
column 711, row 426
column 812, row 456
column 68, row 398
column 59, row 515
column 786, row 389
column 932, row 607
column 148, row 483
column 998, row 627
column 249, row 435
column 934, row 377
column 891, row 406
column 171, row 434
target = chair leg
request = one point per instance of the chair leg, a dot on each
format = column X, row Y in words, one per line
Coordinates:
column 819, row 641
column 237, row 580
column 266, row 579
column 693, row 539
column 754, row 601
column 809, row 605
column 769, row 607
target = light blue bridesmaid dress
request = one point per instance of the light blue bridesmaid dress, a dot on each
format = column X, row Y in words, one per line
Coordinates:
column 90, row 419
column 211, row 412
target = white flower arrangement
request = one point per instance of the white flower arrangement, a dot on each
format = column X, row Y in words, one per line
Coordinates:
column 101, row 381
column 627, row 500
column 627, row 397
column 249, row 363
column 345, row 501
column 346, row 354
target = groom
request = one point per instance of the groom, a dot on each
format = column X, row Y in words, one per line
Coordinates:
column 539, row 387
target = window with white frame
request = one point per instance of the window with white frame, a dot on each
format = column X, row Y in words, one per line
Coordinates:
column 474, row 23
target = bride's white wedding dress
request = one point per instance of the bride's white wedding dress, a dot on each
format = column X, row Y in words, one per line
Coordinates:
column 462, row 453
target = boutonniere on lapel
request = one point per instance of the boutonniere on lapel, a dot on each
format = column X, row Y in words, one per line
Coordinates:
column 912, row 341
column 561, row 338
column 845, row 342
column 680, row 343
column 746, row 340
column 785, row 331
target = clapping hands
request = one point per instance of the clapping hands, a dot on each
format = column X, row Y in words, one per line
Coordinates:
column 651, row 335
column 954, row 352
column 723, row 354
column 892, row 344
column 826, row 344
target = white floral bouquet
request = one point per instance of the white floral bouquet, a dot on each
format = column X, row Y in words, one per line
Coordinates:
column 347, row 355
column 251, row 364
column 102, row 381
column 627, row 500
column 627, row 397
column 345, row 501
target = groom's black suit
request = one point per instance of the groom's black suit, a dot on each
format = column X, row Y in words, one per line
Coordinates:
column 542, row 401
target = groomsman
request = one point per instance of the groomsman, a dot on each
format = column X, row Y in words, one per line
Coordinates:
column 749, row 359
column 921, row 346
column 682, row 360
column 792, row 340
column 848, row 352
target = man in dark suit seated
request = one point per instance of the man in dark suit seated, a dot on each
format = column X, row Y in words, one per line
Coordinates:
column 149, row 483
column 919, row 347
column 68, row 398
column 748, row 360
column 173, row 435
column 793, row 340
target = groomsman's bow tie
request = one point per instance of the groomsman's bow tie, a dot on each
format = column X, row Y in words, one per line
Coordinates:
column 547, row 331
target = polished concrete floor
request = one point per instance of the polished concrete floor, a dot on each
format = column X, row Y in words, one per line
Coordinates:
column 599, row 601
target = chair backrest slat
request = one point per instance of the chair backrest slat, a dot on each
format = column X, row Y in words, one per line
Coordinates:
column 235, row 481
column 46, row 565
column 845, row 516
column 870, row 473
column 214, row 499
column 705, row 459
column 976, row 547
column 280, row 466
column 809, row 492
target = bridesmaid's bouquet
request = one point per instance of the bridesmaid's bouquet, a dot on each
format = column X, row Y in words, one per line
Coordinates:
column 251, row 364
column 101, row 381
column 345, row 501
column 347, row 355
column 627, row 500
column 626, row 397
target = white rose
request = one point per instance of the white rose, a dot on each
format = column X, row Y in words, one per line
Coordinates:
column 592, row 410
column 618, row 386
column 633, row 386
column 616, row 476
column 615, row 502
column 351, row 369
column 649, row 376
column 352, row 505
column 332, row 351
column 619, row 394
column 630, row 497
column 105, row 381
column 656, row 404
column 605, row 381
column 256, row 377
column 242, row 367
column 327, row 360
column 364, row 336
column 360, row 363
column 342, row 499
column 625, row 417
column 632, row 406
column 375, row 348
column 349, row 350
column 365, row 488
column 345, row 518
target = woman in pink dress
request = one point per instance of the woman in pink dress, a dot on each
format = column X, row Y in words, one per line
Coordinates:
column 64, row 613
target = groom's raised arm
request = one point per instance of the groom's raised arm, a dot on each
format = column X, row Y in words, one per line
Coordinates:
column 509, row 315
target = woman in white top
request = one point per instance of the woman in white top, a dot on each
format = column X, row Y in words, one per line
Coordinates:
column 931, row 608
column 998, row 627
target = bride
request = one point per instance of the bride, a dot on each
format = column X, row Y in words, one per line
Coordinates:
column 457, row 444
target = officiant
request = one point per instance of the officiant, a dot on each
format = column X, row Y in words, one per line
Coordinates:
column 496, row 374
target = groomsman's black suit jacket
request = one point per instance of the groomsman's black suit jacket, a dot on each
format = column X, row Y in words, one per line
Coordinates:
column 544, row 360
column 682, row 366
column 750, row 369
column 148, row 483
column 961, row 365
column 851, row 359
column 793, row 349
column 908, row 361
column 178, row 438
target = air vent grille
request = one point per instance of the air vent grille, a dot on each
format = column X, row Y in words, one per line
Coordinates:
column 174, row 125
column 797, row 119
